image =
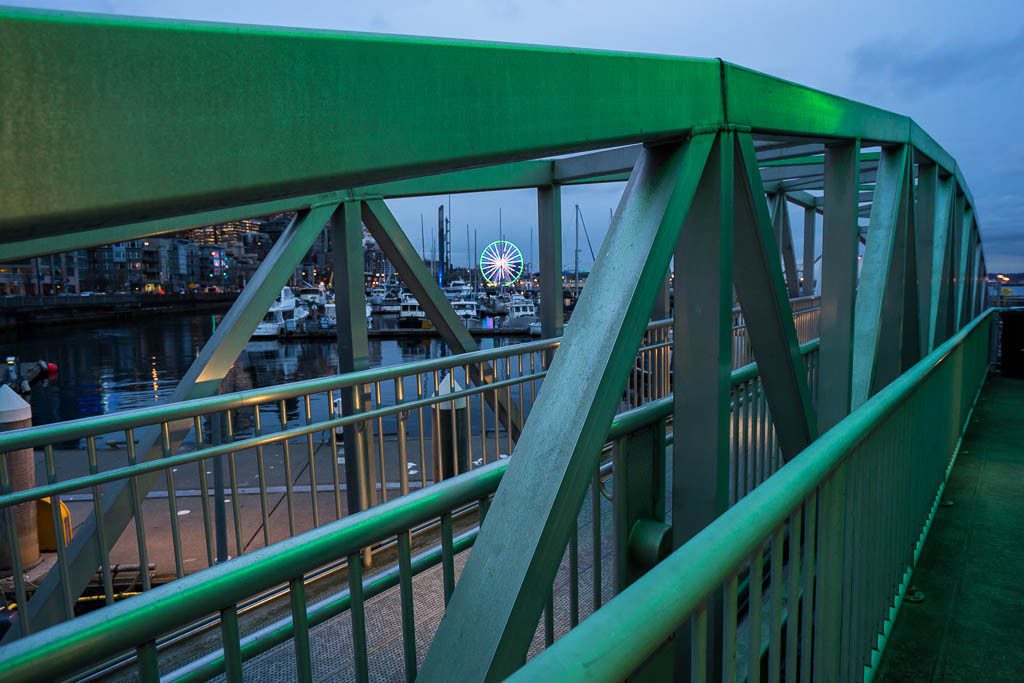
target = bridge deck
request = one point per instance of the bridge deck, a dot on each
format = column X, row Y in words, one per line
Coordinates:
column 969, row 627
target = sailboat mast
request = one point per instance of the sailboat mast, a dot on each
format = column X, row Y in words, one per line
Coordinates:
column 576, row 253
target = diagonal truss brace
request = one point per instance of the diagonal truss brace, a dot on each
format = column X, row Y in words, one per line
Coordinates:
column 402, row 254
column 784, row 238
column 202, row 380
column 766, row 310
column 886, row 311
column 534, row 511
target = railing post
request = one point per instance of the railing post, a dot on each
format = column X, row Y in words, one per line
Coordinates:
column 828, row 590
column 641, row 538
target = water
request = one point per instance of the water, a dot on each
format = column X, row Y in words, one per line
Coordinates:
column 138, row 362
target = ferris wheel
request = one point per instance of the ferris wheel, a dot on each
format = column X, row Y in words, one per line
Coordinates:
column 501, row 263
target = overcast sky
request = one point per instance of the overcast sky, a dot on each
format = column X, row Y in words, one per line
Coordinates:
column 956, row 67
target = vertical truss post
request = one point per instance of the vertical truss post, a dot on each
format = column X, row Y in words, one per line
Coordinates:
column 941, row 273
column 549, row 228
column 200, row 381
column 979, row 283
column 927, row 242
column 402, row 254
column 963, row 270
column 839, row 246
column 784, row 236
column 353, row 346
column 766, row 310
column 809, row 282
column 661, row 301
column 910, row 335
column 529, row 524
column 946, row 317
column 702, row 356
column 959, row 226
column 878, row 322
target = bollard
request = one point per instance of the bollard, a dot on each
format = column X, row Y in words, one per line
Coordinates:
column 451, row 442
column 15, row 413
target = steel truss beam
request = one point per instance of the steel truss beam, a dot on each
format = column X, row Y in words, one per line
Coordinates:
column 808, row 282
column 766, row 311
column 89, row 547
column 549, row 237
column 353, row 347
column 839, row 247
column 784, row 237
column 534, row 511
column 887, row 293
column 329, row 143
column 964, row 270
column 702, row 360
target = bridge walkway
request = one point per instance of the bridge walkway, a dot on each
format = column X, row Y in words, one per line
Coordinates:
column 971, row 570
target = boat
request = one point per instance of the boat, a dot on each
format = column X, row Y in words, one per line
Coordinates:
column 466, row 309
column 329, row 321
column 521, row 312
column 283, row 316
column 377, row 295
column 392, row 302
column 457, row 290
column 312, row 296
column 411, row 315
column 535, row 329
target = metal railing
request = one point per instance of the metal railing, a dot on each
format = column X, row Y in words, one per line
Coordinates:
column 281, row 446
column 823, row 550
column 220, row 594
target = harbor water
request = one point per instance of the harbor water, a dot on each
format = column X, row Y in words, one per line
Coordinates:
column 135, row 363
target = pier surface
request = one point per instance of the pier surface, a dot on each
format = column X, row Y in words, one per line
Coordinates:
column 969, row 627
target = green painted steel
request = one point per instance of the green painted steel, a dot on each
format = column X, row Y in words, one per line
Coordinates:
column 556, row 456
column 877, row 319
column 215, row 122
column 64, row 649
column 292, row 111
column 761, row 290
column 838, row 280
column 620, row 636
column 337, row 116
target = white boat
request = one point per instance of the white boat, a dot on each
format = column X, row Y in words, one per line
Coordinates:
column 282, row 316
column 392, row 302
column 466, row 309
column 329, row 321
column 457, row 290
column 313, row 296
column 377, row 295
column 410, row 313
column 535, row 329
column 521, row 312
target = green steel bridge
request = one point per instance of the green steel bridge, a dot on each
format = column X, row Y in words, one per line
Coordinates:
column 736, row 489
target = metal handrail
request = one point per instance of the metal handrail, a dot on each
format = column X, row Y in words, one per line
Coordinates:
column 625, row 423
column 643, row 616
column 193, row 597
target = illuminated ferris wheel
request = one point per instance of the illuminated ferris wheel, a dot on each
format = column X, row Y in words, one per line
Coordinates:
column 501, row 263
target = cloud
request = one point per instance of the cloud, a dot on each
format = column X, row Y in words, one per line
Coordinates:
column 905, row 63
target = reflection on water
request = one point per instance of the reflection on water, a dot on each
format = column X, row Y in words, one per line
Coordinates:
column 136, row 363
